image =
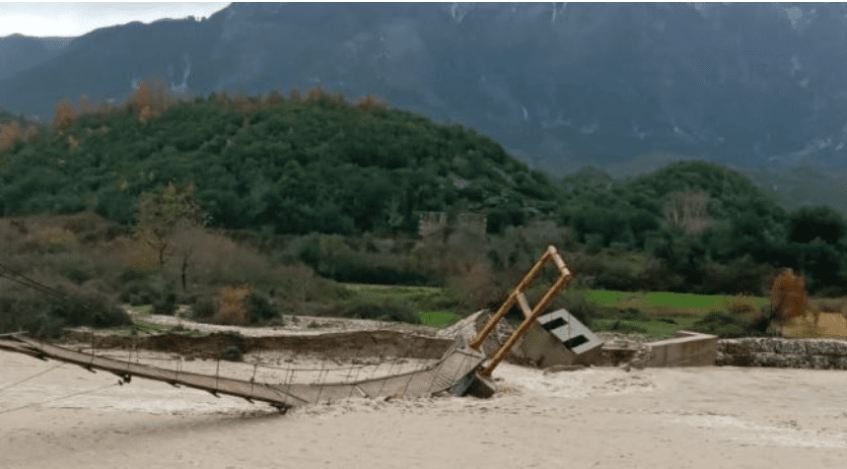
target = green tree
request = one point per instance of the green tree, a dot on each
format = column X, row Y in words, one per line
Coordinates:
column 808, row 223
column 165, row 213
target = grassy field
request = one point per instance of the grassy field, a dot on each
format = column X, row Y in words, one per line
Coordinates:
column 652, row 314
column 413, row 294
column 828, row 325
column 658, row 302
column 655, row 314
column 653, row 327
column 431, row 304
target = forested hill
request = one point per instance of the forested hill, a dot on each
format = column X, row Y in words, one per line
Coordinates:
column 692, row 197
column 314, row 162
column 702, row 227
column 285, row 164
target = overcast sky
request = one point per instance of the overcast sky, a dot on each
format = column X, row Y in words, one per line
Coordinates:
column 74, row 19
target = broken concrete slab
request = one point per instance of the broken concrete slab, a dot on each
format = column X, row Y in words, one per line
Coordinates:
column 540, row 346
column 577, row 338
column 542, row 349
column 686, row 349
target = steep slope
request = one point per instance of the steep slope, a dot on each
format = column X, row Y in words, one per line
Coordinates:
column 18, row 53
column 618, row 85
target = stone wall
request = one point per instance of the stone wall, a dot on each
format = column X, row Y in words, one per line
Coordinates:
column 783, row 353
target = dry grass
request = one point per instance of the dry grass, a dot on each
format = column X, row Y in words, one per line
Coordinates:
column 828, row 325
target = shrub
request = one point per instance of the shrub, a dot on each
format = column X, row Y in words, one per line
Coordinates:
column 50, row 239
column 232, row 306
column 788, row 297
column 626, row 327
column 575, row 302
column 88, row 309
column 150, row 290
column 203, row 308
column 741, row 305
column 382, row 309
column 236, row 306
column 724, row 324
column 140, row 291
column 619, row 276
column 165, row 304
column 45, row 315
column 260, row 308
column 630, row 314
column 76, row 268
column 477, row 287
column 232, row 353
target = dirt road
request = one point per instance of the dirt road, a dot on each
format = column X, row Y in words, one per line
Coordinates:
column 680, row 418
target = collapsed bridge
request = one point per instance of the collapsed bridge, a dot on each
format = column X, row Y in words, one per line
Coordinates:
column 438, row 377
column 462, row 369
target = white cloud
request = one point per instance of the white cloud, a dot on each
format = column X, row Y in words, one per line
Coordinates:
column 74, row 19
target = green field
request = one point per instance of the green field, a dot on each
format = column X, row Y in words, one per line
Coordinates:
column 433, row 306
column 657, row 314
column 654, row 314
column 666, row 302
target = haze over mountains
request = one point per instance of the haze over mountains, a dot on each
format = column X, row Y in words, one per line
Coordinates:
column 619, row 86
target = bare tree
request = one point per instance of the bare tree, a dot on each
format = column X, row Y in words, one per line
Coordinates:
column 688, row 211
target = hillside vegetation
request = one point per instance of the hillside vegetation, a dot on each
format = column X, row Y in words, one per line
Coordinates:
column 284, row 165
column 706, row 228
column 340, row 187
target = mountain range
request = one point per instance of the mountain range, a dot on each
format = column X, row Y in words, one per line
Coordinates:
column 623, row 87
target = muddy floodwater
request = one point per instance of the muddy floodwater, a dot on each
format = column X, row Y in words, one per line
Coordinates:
column 598, row 417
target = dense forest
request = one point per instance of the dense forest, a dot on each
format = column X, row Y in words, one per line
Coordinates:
column 313, row 178
column 285, row 165
column 702, row 227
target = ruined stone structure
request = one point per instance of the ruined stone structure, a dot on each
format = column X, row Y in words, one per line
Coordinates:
column 435, row 223
column 431, row 223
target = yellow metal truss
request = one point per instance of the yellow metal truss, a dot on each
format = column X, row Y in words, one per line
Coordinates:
column 531, row 313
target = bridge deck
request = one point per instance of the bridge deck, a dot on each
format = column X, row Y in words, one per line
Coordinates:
column 440, row 376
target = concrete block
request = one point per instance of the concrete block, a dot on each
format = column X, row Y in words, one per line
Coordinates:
column 687, row 349
column 576, row 337
column 542, row 349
